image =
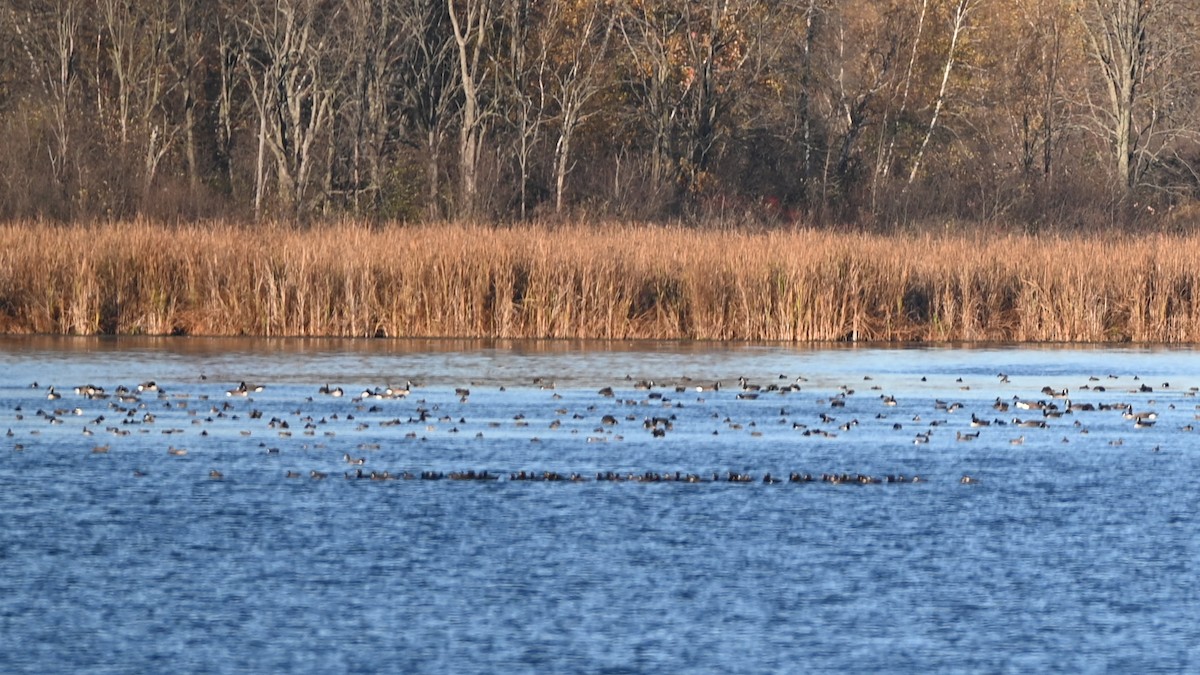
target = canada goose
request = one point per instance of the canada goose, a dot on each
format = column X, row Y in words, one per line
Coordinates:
column 328, row 391
column 90, row 391
column 1141, row 416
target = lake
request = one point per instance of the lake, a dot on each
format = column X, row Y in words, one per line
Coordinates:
column 200, row 526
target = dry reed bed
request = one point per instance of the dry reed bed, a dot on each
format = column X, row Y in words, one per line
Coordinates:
column 610, row 281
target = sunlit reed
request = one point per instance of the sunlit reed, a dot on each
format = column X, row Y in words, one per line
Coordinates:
column 594, row 281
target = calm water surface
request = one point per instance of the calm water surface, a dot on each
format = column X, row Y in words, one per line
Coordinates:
column 1077, row 550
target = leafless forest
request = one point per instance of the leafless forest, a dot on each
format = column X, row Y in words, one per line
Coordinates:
column 1048, row 113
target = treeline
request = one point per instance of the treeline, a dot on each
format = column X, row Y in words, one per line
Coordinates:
column 1063, row 113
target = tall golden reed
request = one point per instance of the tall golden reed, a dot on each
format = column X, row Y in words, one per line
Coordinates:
column 594, row 281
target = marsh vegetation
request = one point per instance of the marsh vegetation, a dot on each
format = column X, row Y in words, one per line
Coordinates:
column 611, row 280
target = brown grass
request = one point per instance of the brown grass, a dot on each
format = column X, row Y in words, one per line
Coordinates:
column 597, row 281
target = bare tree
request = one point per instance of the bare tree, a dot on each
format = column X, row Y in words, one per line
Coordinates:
column 472, row 24
column 51, row 43
column 649, row 31
column 575, row 81
column 294, row 83
column 958, row 25
column 716, row 49
column 523, row 85
column 428, row 87
column 188, row 62
column 371, row 50
column 138, row 40
column 1141, row 55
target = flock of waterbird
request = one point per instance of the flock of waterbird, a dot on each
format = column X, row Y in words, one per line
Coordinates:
column 646, row 407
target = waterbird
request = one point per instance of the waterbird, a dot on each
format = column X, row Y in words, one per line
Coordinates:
column 1139, row 416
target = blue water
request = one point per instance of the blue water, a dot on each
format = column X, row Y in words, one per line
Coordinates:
column 1076, row 550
